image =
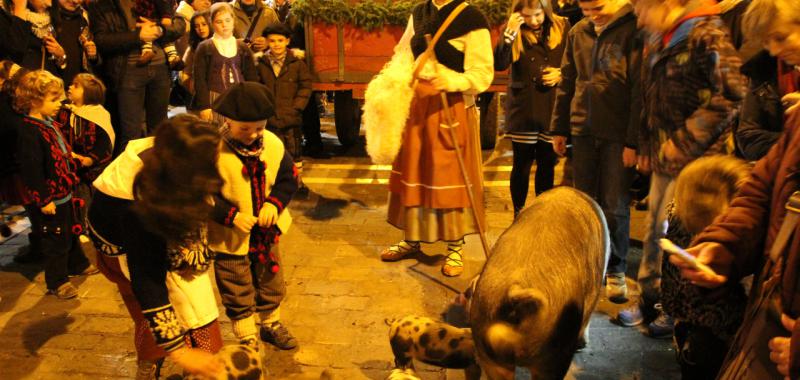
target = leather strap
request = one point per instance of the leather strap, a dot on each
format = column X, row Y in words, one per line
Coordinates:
column 787, row 228
column 429, row 51
column 253, row 23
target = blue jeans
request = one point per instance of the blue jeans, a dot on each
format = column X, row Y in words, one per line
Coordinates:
column 598, row 172
column 143, row 97
column 662, row 189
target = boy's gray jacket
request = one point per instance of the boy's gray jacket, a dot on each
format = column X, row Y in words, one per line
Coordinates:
column 600, row 92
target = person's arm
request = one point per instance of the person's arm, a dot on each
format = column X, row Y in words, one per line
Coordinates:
column 223, row 212
column 502, row 52
column 560, row 123
column 31, row 162
column 174, row 31
column 754, row 136
column 742, row 229
column 719, row 59
column 16, row 32
column 108, row 40
column 635, row 88
column 101, row 151
column 201, row 100
column 478, row 64
column 285, row 185
column 248, row 63
column 303, row 87
column 188, row 71
column 148, row 264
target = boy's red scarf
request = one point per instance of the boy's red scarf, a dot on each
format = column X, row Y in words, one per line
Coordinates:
column 261, row 238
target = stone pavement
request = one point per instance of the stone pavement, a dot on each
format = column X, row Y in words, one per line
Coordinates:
column 339, row 295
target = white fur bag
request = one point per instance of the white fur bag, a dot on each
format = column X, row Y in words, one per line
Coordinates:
column 386, row 107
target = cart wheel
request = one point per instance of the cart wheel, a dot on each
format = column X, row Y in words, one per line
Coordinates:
column 488, row 103
column 347, row 117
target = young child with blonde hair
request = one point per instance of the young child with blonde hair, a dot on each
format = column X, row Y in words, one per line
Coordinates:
column 48, row 172
column 704, row 324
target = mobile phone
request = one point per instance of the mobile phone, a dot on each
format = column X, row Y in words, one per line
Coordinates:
column 684, row 256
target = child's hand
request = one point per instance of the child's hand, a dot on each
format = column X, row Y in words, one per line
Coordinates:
column 49, row 209
column 244, row 222
column 268, row 215
column 166, row 21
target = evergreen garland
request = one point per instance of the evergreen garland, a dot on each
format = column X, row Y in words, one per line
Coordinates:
column 375, row 14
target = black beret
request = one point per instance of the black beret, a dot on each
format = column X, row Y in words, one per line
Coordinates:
column 278, row 28
column 245, row 101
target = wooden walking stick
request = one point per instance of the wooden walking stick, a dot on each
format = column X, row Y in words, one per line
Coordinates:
column 451, row 125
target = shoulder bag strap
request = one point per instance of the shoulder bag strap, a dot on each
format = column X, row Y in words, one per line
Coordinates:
column 787, row 228
column 253, row 24
column 429, row 51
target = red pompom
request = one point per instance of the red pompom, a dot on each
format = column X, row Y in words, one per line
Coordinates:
column 274, row 268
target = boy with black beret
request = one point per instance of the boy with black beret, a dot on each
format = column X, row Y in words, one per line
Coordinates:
column 289, row 79
column 250, row 214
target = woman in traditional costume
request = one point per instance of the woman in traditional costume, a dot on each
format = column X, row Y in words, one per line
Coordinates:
column 428, row 196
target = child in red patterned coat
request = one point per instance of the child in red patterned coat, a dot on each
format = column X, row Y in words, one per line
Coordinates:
column 48, row 172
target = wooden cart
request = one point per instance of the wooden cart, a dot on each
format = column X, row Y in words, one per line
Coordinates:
column 344, row 58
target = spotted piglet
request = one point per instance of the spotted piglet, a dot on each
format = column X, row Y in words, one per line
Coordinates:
column 432, row 342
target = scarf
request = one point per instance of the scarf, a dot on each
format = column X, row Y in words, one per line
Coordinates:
column 41, row 24
column 261, row 238
column 225, row 46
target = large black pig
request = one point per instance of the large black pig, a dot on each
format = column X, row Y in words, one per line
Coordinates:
column 537, row 291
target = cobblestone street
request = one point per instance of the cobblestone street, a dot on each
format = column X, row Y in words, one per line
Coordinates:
column 339, row 295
